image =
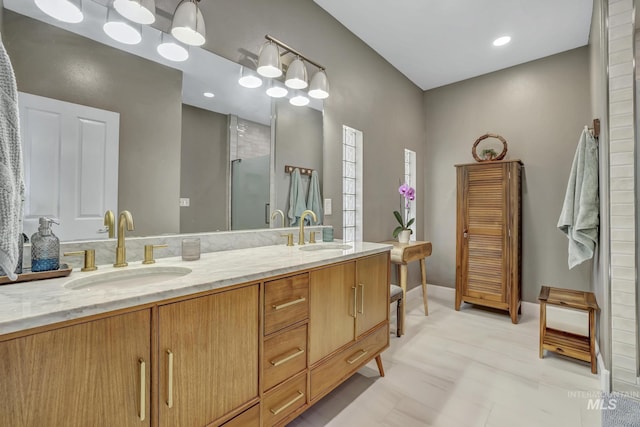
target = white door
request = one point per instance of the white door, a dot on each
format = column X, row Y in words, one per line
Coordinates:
column 70, row 165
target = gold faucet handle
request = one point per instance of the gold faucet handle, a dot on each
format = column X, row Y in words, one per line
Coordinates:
column 89, row 258
column 148, row 253
column 312, row 237
column 289, row 237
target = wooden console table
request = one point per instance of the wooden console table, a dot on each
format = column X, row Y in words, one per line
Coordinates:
column 567, row 343
column 401, row 255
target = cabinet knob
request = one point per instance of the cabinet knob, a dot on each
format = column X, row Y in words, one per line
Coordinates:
column 465, row 233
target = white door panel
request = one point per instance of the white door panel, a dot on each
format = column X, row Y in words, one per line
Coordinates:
column 71, row 165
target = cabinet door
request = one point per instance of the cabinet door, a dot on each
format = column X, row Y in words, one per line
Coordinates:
column 484, row 232
column 332, row 309
column 208, row 356
column 373, row 292
column 83, row 375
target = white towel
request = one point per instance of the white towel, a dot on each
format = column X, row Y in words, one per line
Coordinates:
column 579, row 218
column 314, row 198
column 11, row 179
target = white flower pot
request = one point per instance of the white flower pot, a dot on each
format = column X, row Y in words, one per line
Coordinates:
column 404, row 235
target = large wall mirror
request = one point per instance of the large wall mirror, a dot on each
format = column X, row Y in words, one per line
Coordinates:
column 223, row 156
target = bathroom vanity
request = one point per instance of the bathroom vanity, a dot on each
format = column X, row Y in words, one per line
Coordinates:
column 250, row 337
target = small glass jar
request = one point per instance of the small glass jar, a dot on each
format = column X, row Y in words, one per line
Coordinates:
column 191, row 249
column 327, row 234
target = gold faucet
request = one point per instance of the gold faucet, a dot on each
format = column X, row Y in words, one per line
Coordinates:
column 275, row 214
column 304, row 214
column 125, row 219
column 109, row 222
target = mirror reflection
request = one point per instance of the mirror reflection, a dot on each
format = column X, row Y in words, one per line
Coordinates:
column 181, row 163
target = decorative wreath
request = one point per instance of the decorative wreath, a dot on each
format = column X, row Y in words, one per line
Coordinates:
column 493, row 158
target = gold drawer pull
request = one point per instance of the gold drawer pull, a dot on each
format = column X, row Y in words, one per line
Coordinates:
column 355, row 302
column 358, row 357
column 289, row 304
column 361, row 299
column 286, row 359
column 170, row 380
column 143, row 386
column 289, row 403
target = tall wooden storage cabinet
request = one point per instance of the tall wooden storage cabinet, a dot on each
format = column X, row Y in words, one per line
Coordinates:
column 488, row 236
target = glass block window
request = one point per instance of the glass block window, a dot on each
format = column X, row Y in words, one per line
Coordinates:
column 351, row 184
column 410, row 178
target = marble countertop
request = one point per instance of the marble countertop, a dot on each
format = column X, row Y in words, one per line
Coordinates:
column 38, row 303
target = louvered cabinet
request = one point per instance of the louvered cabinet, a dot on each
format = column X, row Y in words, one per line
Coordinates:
column 488, row 235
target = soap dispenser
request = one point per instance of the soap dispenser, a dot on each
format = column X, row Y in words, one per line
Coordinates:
column 45, row 247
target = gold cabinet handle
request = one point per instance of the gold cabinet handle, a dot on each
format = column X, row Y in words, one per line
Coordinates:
column 289, row 304
column 299, row 396
column 361, row 299
column 170, row 380
column 287, row 358
column 358, row 357
column 355, row 302
column 143, row 386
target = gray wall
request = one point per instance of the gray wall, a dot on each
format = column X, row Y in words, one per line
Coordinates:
column 298, row 136
column 203, row 166
column 599, row 102
column 367, row 93
column 58, row 64
column 540, row 108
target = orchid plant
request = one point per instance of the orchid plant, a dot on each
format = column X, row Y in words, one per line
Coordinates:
column 407, row 193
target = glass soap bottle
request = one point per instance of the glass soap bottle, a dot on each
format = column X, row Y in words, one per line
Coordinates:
column 45, row 247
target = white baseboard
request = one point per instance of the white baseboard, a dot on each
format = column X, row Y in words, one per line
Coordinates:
column 605, row 375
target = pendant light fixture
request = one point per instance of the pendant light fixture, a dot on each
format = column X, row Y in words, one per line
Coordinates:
column 188, row 23
column 299, row 100
column 120, row 30
column 296, row 75
column 319, row 86
column 276, row 89
column 63, row 10
column 248, row 78
column 172, row 50
column 269, row 61
column 139, row 11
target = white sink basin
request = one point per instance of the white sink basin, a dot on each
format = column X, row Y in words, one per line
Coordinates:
column 127, row 278
column 325, row 247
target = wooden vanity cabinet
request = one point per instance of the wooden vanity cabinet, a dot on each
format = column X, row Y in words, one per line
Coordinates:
column 208, row 356
column 90, row 374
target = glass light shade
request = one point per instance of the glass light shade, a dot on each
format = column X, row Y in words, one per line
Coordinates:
column 299, row 100
column 296, row 75
column 63, row 10
column 172, row 50
column 121, row 31
column 139, row 11
column 319, row 86
column 277, row 90
column 249, row 79
column 269, row 61
column 188, row 24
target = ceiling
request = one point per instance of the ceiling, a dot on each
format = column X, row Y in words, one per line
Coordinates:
column 437, row 42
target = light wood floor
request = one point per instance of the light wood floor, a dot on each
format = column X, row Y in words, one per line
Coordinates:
column 459, row 369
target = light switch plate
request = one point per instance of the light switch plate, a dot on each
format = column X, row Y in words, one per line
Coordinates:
column 327, row 206
column 184, row 202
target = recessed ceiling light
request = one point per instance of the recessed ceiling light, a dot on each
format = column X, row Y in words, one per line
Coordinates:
column 209, row 94
column 501, row 41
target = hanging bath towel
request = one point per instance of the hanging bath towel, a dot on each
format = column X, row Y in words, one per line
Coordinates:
column 11, row 179
column 314, row 199
column 296, row 198
column 579, row 218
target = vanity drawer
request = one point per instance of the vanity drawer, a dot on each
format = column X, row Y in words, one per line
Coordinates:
column 337, row 368
column 286, row 301
column 284, row 355
column 249, row 418
column 284, row 399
